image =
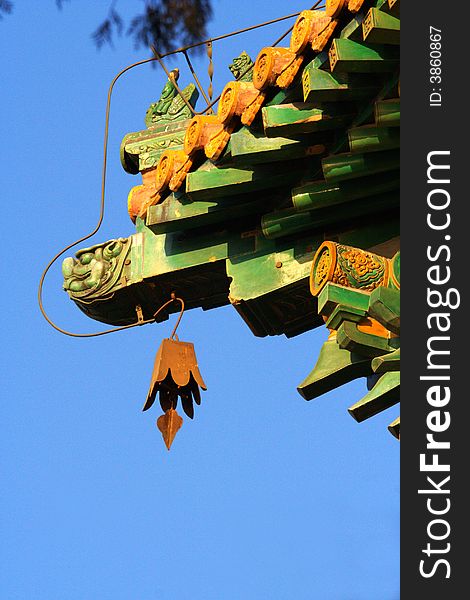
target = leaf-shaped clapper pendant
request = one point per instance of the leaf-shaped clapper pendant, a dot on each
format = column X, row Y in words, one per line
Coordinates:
column 169, row 424
column 175, row 374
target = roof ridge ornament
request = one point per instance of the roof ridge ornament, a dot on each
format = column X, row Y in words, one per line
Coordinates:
column 171, row 106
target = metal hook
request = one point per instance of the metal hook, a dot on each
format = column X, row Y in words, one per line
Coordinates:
column 173, row 298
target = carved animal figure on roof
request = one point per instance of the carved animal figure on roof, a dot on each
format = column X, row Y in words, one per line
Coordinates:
column 241, row 67
column 171, row 106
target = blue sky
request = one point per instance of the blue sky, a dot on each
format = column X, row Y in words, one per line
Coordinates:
column 264, row 496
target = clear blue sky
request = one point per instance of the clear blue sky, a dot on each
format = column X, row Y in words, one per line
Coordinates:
column 264, row 496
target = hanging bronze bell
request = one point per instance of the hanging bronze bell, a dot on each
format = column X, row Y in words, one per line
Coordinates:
column 175, row 375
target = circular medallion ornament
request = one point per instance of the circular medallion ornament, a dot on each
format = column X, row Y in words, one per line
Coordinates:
column 228, row 101
column 302, row 31
column 263, row 69
column 165, row 169
column 348, row 267
column 270, row 63
column 323, row 267
column 334, row 7
column 191, row 138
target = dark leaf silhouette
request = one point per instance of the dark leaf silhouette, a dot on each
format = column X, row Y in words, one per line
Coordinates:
column 5, row 8
column 103, row 34
column 165, row 24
